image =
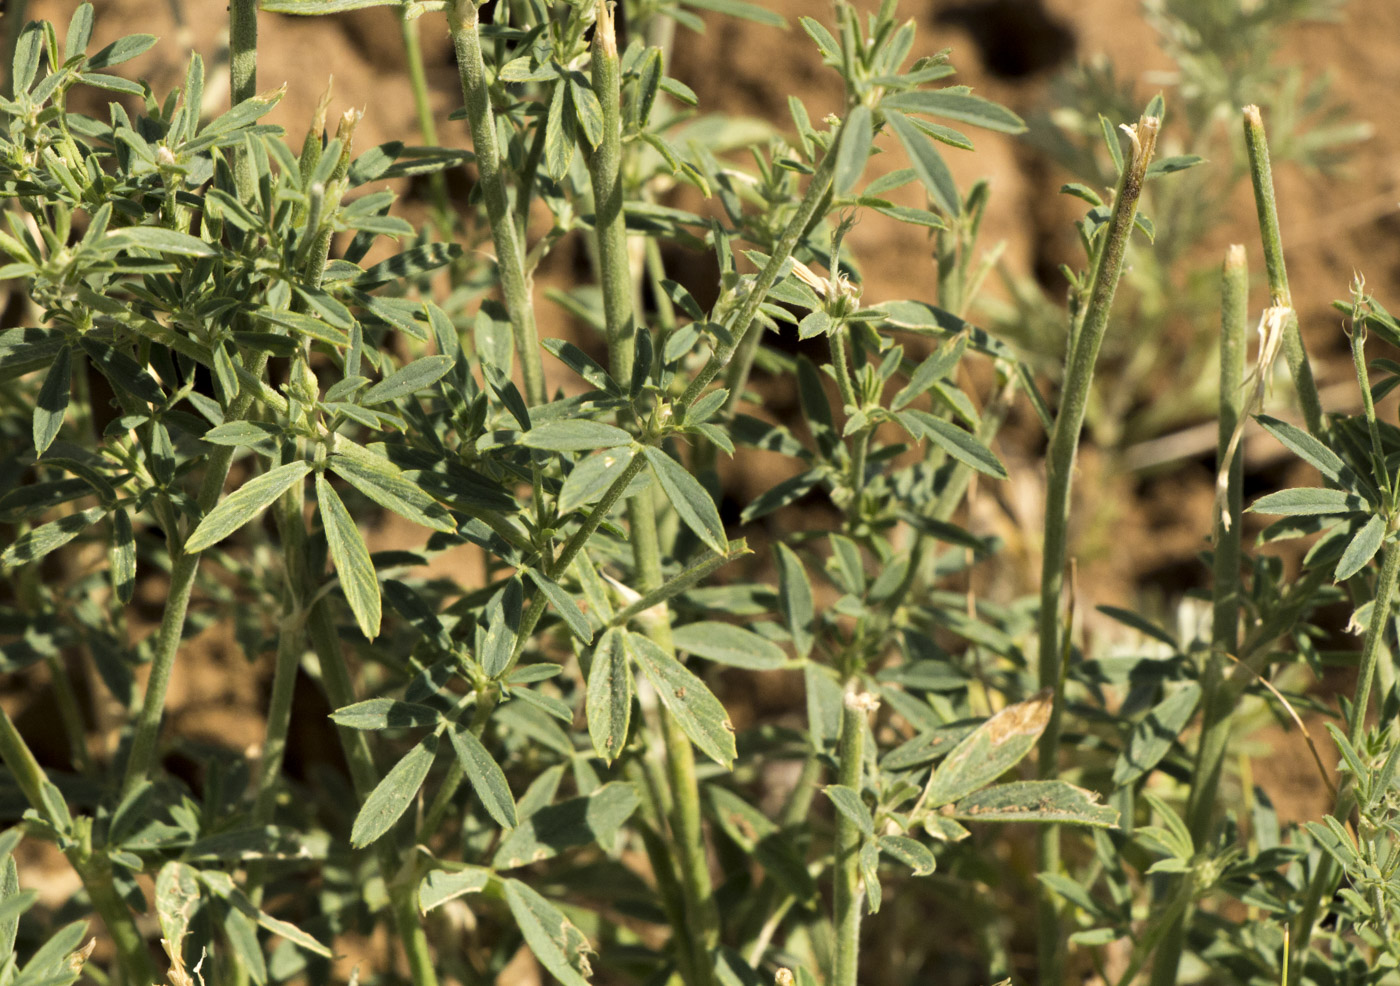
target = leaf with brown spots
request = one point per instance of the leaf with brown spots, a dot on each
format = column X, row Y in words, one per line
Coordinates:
column 1037, row 801
column 993, row 748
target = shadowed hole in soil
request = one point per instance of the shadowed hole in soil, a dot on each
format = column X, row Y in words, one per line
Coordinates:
column 1015, row 38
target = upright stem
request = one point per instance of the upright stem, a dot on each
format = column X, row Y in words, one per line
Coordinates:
column 177, row 602
column 1216, row 701
column 743, row 325
column 848, row 892
column 1261, row 175
column 1064, row 442
column 364, row 777
column 413, row 55
column 605, row 168
column 510, row 258
column 243, row 78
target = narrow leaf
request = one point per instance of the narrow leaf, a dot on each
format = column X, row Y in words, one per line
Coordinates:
column 416, row 376
column 728, row 644
column 52, row 404
column 695, row 707
column 1307, row 500
column 1037, row 801
column 391, row 796
column 609, row 699
column 991, row 750
column 1362, row 548
column 245, row 503
column 561, row 948
column 857, row 135
column 795, row 599
column 928, row 164
column 848, row 803
column 691, row 500
column 485, row 775
column 350, row 556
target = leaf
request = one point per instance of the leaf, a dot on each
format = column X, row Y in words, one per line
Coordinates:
column 728, row 644
column 1362, row 548
column 1153, row 737
column 691, row 500
column 814, row 324
column 795, row 599
column 350, row 558
column 485, row 774
column 848, row 803
column 695, row 707
column 558, row 135
column 1306, row 447
column 52, row 403
column 561, row 948
column 162, row 240
column 50, row 537
column 609, row 699
column 912, row 853
column 121, row 50
column 991, row 750
column 579, row 435
column 416, row 376
column 928, row 164
column 380, row 480
column 245, row 503
column 857, row 136
column 591, row 477
column 956, row 442
column 385, row 713
column 588, row 112
column 440, row 886
column 741, row 9
column 564, row 604
column 392, row 795
column 1307, row 500
column 955, row 105
column 177, row 900
column 584, row 821
column 1037, row 801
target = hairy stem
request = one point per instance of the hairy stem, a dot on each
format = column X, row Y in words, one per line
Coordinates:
column 1261, row 176
column 1064, row 442
column 848, row 892
column 177, row 601
column 510, row 258
column 243, row 79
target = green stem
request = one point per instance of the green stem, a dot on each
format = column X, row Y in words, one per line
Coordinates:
column 1358, row 360
column 743, row 325
column 335, row 676
column 243, row 79
column 605, row 169
column 1261, row 176
column 413, row 54
column 69, row 713
column 848, row 892
column 93, row 868
column 1064, row 442
column 510, row 258
column 177, row 602
column 1216, row 703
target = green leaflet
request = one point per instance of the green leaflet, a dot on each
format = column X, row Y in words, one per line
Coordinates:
column 416, row 376
column 688, row 698
column 560, row 947
column 955, row 441
column 564, row 604
column 991, row 750
column 245, row 503
column 690, row 499
column 52, row 404
column 1037, row 801
column 1307, row 500
column 485, row 775
column 386, row 484
column 609, row 699
column 1362, row 549
column 392, row 795
column 955, row 105
column 350, row 557
column 728, row 644
column 848, row 802
column 1153, row 737
column 595, row 818
column 857, row 136
column 928, row 164
column 795, row 599
column 910, row 852
column 440, row 886
column 50, row 537
column 384, row 713
column 576, row 435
